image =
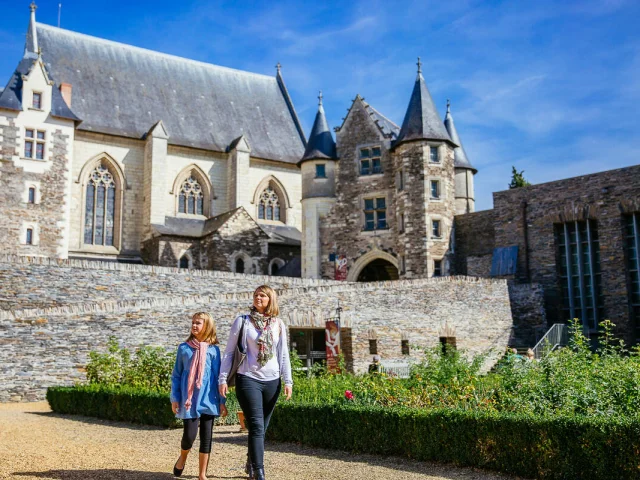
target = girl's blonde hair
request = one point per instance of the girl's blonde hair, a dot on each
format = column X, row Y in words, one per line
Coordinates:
column 273, row 310
column 209, row 333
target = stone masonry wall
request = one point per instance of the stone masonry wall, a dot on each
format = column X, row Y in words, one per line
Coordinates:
column 50, row 346
column 474, row 237
column 342, row 230
column 47, row 216
column 605, row 197
column 529, row 316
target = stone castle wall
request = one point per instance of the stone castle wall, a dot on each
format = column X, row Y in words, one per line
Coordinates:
column 152, row 306
column 474, row 243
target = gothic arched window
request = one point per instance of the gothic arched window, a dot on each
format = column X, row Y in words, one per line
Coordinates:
column 100, row 208
column 191, row 197
column 269, row 205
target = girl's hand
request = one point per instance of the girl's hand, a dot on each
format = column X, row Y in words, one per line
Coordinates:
column 223, row 389
column 288, row 390
column 175, row 406
column 223, row 410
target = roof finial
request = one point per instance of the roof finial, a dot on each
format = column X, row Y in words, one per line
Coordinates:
column 448, row 106
column 278, row 68
column 419, row 66
column 33, row 7
column 320, row 98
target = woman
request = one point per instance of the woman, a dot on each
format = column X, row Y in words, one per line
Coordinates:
column 258, row 378
column 194, row 396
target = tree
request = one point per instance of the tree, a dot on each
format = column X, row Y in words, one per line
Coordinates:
column 517, row 179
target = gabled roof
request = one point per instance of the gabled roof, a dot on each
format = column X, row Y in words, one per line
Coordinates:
column 422, row 121
column 387, row 128
column 460, row 159
column 321, row 143
column 11, row 96
column 122, row 90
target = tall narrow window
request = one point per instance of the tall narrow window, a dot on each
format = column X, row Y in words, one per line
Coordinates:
column 269, row 205
column 405, row 347
column 37, row 100
column 401, row 223
column 29, row 239
column 632, row 230
column 239, row 265
column 375, row 213
column 99, row 222
column 32, row 195
column 434, row 156
column 400, row 180
column 579, row 272
column 191, row 198
column 435, row 189
column 437, row 268
column 435, row 229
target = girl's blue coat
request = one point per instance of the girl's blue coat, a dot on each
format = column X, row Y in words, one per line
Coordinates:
column 205, row 400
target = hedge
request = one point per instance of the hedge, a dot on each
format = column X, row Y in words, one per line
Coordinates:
column 124, row 404
column 533, row 447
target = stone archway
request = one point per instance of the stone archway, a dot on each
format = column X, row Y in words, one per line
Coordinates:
column 376, row 265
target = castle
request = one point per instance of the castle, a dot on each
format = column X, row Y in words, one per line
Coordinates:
column 113, row 152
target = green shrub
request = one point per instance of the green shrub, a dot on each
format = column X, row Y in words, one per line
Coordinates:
column 126, row 404
column 549, row 448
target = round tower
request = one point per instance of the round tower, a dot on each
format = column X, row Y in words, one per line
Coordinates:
column 318, row 190
column 464, row 171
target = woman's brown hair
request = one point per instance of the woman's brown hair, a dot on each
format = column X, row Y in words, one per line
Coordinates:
column 209, row 333
column 273, row 310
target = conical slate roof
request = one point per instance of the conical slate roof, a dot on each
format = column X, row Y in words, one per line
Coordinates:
column 460, row 159
column 320, row 144
column 422, row 121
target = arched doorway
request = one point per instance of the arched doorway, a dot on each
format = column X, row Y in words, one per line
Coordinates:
column 378, row 270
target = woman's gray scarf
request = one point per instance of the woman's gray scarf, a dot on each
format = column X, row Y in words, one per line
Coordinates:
column 264, row 325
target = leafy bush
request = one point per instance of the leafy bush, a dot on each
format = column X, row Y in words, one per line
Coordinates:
column 124, row 403
column 147, row 367
column 535, row 447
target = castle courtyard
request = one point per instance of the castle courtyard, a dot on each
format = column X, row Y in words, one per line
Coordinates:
column 38, row 444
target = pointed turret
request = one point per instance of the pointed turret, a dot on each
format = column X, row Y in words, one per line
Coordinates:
column 422, row 121
column 31, row 45
column 321, row 144
column 460, row 156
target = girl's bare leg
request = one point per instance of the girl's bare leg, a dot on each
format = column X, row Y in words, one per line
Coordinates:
column 204, row 463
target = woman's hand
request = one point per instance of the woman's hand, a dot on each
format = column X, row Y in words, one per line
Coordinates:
column 223, row 410
column 175, row 406
column 223, row 389
column 288, row 390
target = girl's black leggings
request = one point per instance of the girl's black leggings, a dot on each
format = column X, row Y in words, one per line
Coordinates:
column 257, row 400
column 191, row 429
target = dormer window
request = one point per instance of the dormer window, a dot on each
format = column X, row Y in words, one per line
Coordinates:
column 34, row 144
column 37, row 101
column 434, row 156
column 370, row 161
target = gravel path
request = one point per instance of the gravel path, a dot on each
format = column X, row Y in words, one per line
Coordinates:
column 36, row 443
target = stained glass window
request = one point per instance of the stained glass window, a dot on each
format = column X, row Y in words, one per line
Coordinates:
column 269, row 205
column 191, row 198
column 99, row 220
column 579, row 272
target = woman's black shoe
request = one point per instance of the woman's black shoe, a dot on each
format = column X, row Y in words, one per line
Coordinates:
column 259, row 474
column 177, row 471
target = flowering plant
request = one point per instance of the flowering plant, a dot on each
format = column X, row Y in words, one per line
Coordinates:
column 348, row 395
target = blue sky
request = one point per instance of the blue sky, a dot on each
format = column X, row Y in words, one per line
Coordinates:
column 550, row 87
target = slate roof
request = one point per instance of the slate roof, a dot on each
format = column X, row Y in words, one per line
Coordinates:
column 387, row 127
column 122, row 90
column 283, row 234
column 422, row 121
column 321, row 143
column 460, row 159
column 11, row 95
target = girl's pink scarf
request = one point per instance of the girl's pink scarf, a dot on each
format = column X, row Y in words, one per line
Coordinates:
column 196, row 371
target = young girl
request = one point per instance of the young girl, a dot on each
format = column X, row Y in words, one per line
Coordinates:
column 194, row 392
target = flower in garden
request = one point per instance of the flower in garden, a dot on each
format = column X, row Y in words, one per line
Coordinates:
column 348, row 395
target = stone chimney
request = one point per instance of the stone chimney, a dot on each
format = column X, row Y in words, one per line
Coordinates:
column 65, row 90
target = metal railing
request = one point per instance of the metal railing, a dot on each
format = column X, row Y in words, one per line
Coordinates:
column 400, row 370
column 557, row 336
